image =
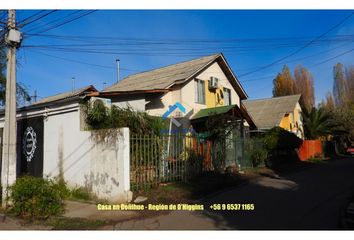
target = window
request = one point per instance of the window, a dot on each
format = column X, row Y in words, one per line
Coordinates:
column 227, row 96
column 199, row 91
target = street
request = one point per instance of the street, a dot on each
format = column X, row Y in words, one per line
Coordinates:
column 308, row 199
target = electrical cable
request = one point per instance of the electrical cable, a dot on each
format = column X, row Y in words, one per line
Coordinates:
column 301, row 48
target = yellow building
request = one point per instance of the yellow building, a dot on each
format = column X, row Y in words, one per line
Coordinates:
column 283, row 111
column 199, row 84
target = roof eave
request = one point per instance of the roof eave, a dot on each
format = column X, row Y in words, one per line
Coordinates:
column 239, row 89
column 120, row 93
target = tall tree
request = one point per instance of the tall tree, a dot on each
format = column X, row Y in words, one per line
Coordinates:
column 283, row 84
column 343, row 92
column 304, row 85
column 340, row 87
column 349, row 74
column 328, row 104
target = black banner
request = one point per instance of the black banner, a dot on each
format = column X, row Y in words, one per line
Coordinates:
column 30, row 133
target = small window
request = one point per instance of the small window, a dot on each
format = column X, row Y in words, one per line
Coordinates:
column 199, row 91
column 227, row 96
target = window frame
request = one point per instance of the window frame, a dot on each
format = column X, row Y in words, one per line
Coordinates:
column 228, row 90
column 199, row 91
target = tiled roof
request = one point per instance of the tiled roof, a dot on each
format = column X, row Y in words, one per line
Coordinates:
column 161, row 78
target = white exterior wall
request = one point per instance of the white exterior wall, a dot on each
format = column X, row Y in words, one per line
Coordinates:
column 188, row 98
column 186, row 94
column 101, row 167
column 159, row 105
column 135, row 102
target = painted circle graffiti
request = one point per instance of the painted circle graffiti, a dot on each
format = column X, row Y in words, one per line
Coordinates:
column 29, row 143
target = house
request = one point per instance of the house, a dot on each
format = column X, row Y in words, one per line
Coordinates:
column 282, row 111
column 52, row 142
column 199, row 84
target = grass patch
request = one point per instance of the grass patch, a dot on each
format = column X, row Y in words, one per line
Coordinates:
column 75, row 224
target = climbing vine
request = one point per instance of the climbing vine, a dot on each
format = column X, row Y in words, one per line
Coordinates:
column 98, row 116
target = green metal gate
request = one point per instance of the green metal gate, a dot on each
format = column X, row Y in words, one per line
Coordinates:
column 167, row 158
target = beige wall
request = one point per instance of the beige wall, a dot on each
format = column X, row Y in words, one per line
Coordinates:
column 186, row 94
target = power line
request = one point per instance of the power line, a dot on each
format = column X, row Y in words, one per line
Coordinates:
column 302, row 58
column 3, row 14
column 186, row 46
column 311, row 66
column 36, row 19
column 85, row 63
column 53, row 21
column 65, row 22
column 183, row 41
column 300, row 49
column 32, row 16
column 329, row 59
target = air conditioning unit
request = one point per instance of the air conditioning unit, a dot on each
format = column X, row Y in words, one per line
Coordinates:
column 106, row 102
column 213, row 83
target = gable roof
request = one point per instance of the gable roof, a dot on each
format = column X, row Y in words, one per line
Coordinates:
column 268, row 113
column 66, row 95
column 166, row 77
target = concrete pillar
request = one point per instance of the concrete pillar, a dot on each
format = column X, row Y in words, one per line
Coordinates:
column 124, row 166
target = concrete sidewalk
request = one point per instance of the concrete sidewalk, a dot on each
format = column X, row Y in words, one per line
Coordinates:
column 74, row 209
column 9, row 223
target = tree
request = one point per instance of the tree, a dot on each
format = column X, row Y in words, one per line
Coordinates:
column 319, row 123
column 343, row 91
column 304, row 85
column 21, row 91
column 340, row 87
column 349, row 74
column 328, row 105
column 283, row 84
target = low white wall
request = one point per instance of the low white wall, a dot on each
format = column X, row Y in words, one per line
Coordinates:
column 101, row 166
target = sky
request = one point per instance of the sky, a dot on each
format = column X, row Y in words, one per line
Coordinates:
column 249, row 39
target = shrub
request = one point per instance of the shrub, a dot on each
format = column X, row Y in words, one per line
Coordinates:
column 33, row 197
column 280, row 145
column 258, row 156
column 280, row 139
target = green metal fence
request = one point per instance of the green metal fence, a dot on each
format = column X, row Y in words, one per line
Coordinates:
column 166, row 158
column 179, row 157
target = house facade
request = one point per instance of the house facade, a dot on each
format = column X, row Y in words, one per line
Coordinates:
column 199, row 84
column 284, row 112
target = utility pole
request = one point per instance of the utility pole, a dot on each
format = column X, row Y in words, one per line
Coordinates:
column 73, row 84
column 8, row 171
column 118, row 73
column 35, row 96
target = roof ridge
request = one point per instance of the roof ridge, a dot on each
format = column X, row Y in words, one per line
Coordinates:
column 159, row 68
column 270, row 98
column 70, row 93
